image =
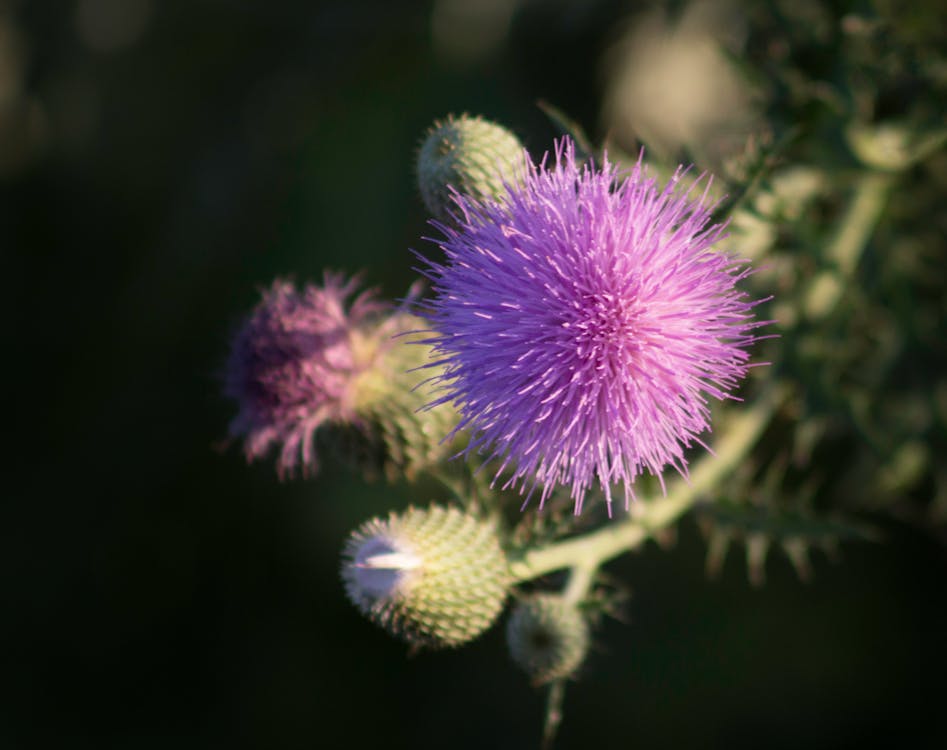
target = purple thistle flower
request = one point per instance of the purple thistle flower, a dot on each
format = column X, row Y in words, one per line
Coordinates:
column 582, row 320
column 294, row 363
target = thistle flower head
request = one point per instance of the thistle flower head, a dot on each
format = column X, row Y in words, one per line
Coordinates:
column 435, row 577
column 324, row 356
column 582, row 319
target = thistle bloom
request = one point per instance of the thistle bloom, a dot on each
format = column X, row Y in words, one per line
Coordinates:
column 293, row 364
column 314, row 357
column 581, row 320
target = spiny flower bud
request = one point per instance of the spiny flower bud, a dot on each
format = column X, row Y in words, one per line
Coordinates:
column 312, row 360
column 470, row 154
column 547, row 636
column 434, row 577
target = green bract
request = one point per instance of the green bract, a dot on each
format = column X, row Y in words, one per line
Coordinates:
column 394, row 435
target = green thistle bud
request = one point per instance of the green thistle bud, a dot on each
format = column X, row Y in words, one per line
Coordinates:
column 470, row 154
column 548, row 637
column 436, row 577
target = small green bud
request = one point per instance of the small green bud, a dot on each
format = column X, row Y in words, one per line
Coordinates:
column 548, row 637
column 470, row 154
column 434, row 577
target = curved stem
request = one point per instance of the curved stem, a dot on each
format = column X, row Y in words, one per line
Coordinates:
column 844, row 251
column 588, row 552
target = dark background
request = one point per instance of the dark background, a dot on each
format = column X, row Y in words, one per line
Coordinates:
column 154, row 173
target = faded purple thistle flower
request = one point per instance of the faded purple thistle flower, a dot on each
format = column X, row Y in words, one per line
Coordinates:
column 293, row 367
column 582, row 320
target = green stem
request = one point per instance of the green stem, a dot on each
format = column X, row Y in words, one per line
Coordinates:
column 843, row 253
column 587, row 553
column 581, row 578
column 557, row 693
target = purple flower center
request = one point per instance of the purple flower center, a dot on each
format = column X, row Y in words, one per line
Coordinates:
column 604, row 330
